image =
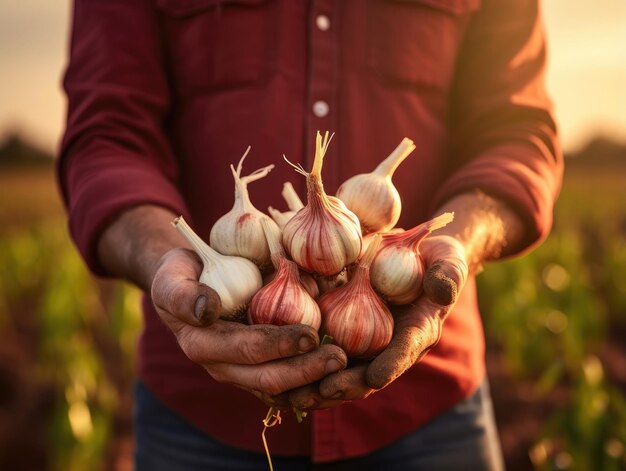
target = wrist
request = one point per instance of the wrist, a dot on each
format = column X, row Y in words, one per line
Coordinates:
column 133, row 245
column 485, row 227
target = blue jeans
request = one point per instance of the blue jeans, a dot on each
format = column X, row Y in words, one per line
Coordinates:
column 463, row 438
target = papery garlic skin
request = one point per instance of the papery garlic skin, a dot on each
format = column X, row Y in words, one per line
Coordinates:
column 239, row 231
column 284, row 300
column 235, row 279
column 324, row 236
column 354, row 316
column 397, row 271
column 372, row 196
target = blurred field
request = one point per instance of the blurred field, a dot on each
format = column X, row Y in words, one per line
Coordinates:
column 28, row 196
column 555, row 322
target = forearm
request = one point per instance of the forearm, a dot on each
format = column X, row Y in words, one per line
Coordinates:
column 486, row 227
column 132, row 246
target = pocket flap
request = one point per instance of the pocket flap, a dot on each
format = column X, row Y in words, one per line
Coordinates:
column 182, row 8
column 455, row 7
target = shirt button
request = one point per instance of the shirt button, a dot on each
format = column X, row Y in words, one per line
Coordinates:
column 322, row 22
column 320, row 108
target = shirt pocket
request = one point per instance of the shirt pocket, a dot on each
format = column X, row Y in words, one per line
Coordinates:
column 217, row 43
column 414, row 43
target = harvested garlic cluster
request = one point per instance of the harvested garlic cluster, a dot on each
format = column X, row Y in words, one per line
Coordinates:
column 345, row 248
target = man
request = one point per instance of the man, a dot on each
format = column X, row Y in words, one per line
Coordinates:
column 165, row 94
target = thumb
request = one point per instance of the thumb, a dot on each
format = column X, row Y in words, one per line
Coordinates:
column 179, row 296
column 447, row 269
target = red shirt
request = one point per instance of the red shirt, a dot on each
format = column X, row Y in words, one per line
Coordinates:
column 165, row 94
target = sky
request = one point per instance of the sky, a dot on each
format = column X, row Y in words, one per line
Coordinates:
column 586, row 70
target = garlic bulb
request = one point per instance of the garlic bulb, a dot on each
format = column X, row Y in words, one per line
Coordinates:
column 354, row 315
column 284, row 300
column 372, row 196
column 398, row 270
column 324, row 236
column 235, row 279
column 239, row 231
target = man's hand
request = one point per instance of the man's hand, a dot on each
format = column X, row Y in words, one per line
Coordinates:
column 483, row 229
column 141, row 246
column 417, row 329
column 265, row 360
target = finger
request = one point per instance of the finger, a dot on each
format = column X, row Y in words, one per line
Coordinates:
column 231, row 342
column 447, row 269
column 345, row 385
column 278, row 376
column 176, row 290
column 417, row 329
column 309, row 398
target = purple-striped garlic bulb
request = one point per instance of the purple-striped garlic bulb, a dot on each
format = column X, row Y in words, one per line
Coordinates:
column 284, row 300
column 324, row 236
column 354, row 316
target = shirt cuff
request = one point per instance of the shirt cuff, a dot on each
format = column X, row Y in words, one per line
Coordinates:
column 98, row 195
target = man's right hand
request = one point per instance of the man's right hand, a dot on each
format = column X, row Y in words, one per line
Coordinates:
column 265, row 360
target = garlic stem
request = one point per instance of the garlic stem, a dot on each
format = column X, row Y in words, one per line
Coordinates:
column 273, row 242
column 294, row 203
column 370, row 253
column 413, row 237
column 321, row 146
column 204, row 251
column 242, row 197
column 388, row 166
column 279, row 217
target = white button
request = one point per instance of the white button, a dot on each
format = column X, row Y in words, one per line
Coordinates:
column 323, row 22
column 320, row 108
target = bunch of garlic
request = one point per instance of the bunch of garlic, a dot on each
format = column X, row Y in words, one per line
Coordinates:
column 358, row 261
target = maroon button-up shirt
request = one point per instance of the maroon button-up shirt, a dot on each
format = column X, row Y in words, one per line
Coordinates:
column 165, row 94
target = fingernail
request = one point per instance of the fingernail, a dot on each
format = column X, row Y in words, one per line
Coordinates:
column 199, row 310
column 333, row 365
column 337, row 395
column 306, row 344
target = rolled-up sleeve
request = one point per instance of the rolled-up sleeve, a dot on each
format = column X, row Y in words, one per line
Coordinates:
column 503, row 132
column 114, row 154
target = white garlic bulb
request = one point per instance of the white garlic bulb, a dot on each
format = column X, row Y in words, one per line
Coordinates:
column 372, row 196
column 235, row 279
column 239, row 231
column 397, row 271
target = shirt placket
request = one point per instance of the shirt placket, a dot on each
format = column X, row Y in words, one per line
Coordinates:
column 322, row 83
column 323, row 116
